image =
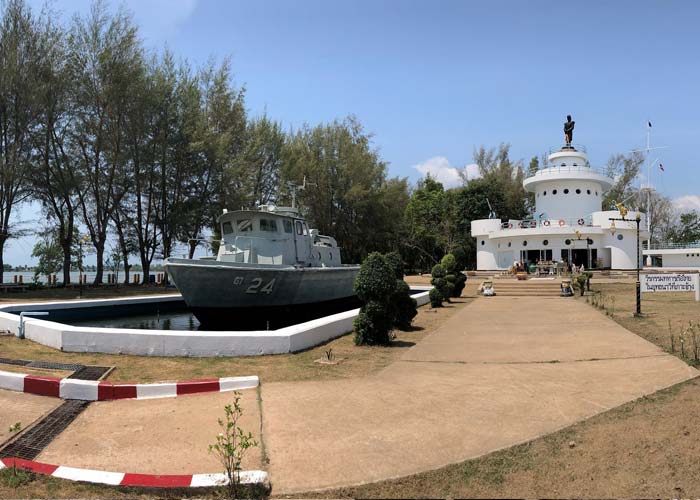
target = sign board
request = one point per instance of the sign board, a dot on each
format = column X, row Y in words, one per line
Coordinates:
column 675, row 282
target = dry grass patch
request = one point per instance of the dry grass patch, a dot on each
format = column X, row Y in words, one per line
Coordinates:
column 658, row 311
column 358, row 361
column 41, row 372
column 89, row 292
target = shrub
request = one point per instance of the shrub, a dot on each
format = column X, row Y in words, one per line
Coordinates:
column 580, row 283
column 394, row 260
column 373, row 324
column 375, row 281
column 435, row 298
column 403, row 305
column 438, row 271
column 460, row 283
column 449, row 263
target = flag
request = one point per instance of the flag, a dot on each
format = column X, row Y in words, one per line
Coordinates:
column 661, row 167
column 649, row 123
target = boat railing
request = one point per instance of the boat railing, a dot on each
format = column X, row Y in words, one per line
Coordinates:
column 540, row 223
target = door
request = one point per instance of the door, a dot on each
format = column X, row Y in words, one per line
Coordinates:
column 301, row 241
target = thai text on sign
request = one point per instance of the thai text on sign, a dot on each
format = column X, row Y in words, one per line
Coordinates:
column 677, row 282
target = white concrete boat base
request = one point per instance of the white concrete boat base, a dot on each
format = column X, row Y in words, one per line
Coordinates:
column 174, row 342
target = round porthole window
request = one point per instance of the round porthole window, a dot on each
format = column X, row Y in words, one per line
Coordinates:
column 578, row 191
column 509, row 243
column 566, row 191
column 619, row 237
column 590, row 241
column 588, row 191
column 596, row 193
column 567, row 242
column 544, row 194
column 554, row 191
column 483, row 243
column 545, row 242
column 524, row 243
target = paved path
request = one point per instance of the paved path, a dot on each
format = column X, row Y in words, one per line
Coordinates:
column 153, row 436
column 23, row 408
column 502, row 371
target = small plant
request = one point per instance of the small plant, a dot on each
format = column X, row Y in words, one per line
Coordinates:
column 440, row 282
column 13, row 477
column 329, row 355
column 670, row 334
column 232, row 444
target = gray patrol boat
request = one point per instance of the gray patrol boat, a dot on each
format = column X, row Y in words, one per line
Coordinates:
column 270, row 268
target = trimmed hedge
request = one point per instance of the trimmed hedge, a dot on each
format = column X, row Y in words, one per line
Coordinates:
column 387, row 299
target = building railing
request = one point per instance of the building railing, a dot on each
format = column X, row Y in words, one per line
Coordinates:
column 673, row 246
column 565, row 148
column 558, row 169
column 540, row 223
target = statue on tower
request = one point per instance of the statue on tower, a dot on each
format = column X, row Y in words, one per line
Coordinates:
column 569, row 130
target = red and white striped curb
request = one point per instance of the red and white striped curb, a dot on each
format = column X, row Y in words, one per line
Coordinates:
column 129, row 479
column 89, row 390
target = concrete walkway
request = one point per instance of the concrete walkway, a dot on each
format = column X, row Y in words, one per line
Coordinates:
column 502, row 371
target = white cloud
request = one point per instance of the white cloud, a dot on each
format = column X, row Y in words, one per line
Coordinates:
column 687, row 203
column 439, row 168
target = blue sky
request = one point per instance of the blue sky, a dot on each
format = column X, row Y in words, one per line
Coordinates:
column 432, row 80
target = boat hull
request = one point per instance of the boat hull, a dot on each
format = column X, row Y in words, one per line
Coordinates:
column 240, row 296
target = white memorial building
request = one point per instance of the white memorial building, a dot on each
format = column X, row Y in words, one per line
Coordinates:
column 568, row 225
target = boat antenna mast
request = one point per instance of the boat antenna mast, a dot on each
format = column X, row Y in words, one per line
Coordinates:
column 294, row 188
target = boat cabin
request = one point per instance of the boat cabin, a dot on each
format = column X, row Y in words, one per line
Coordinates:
column 275, row 236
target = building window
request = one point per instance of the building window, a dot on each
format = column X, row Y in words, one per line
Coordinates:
column 545, row 242
column 590, row 241
column 544, row 194
column 619, row 237
column 563, row 164
column 567, row 242
column 287, row 226
column 588, row 191
column 509, row 244
column 483, row 243
column 596, row 193
column 525, row 243
column 566, row 191
column 554, row 191
column 578, row 191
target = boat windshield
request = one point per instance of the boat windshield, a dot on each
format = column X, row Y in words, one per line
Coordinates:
column 244, row 225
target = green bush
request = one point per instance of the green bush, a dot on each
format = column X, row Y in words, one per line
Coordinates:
column 460, row 283
column 373, row 324
column 438, row 271
column 394, row 260
column 580, row 283
column 435, row 298
column 375, row 281
column 403, row 305
column 449, row 263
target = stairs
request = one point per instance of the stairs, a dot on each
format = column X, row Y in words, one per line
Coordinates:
column 528, row 288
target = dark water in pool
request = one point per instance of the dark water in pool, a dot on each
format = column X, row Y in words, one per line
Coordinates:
column 174, row 315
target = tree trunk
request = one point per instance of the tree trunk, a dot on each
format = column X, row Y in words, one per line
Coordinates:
column 100, row 251
column 192, row 246
column 65, row 245
column 146, row 266
column 2, row 262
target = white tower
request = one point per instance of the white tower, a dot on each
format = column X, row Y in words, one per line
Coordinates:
column 567, row 187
